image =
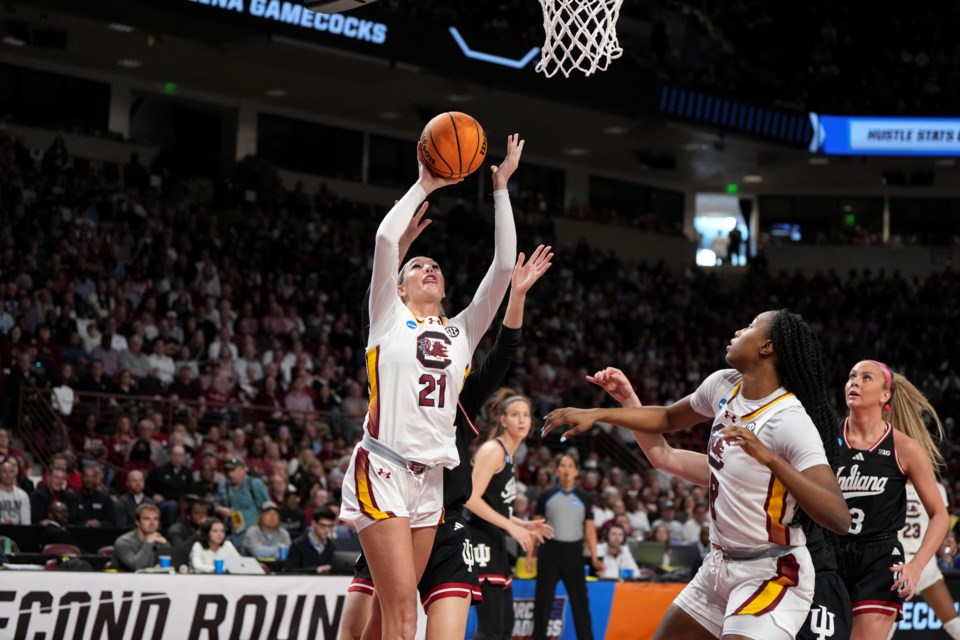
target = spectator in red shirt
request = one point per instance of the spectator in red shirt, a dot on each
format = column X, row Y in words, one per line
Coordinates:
column 48, row 352
column 257, row 464
column 140, row 460
column 269, row 400
column 118, row 446
column 218, row 397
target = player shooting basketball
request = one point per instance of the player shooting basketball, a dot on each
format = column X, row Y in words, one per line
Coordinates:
column 393, row 489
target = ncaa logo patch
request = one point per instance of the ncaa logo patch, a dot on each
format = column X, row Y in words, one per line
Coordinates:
column 453, row 332
column 411, row 324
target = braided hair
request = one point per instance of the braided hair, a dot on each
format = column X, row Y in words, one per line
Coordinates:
column 799, row 364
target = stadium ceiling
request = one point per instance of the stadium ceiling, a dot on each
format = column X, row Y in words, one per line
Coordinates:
column 292, row 75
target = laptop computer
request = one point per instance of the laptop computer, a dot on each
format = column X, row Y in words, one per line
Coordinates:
column 243, row 566
column 654, row 554
column 648, row 553
column 343, row 563
column 685, row 556
column 179, row 555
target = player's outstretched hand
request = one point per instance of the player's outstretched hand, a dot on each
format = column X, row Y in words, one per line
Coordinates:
column 540, row 529
column 525, row 538
column 579, row 420
column 526, row 274
column 502, row 173
column 615, row 383
column 430, row 182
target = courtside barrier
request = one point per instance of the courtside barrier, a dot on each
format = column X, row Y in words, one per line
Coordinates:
column 80, row 606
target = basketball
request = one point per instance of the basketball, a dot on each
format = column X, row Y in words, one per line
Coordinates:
column 453, row 145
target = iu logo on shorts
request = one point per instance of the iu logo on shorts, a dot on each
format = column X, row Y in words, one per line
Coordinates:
column 481, row 554
column 822, row 622
column 468, row 555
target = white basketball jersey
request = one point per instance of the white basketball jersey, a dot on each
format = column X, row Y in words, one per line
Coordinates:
column 416, row 366
column 917, row 520
column 416, row 370
column 751, row 510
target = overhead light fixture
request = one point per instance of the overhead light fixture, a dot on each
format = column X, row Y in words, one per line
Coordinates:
column 615, row 131
column 944, row 162
column 752, row 179
column 13, row 42
column 818, row 161
column 459, row 97
column 390, row 115
column 119, row 27
column 696, row 146
column 129, row 63
column 277, row 93
column 576, row 151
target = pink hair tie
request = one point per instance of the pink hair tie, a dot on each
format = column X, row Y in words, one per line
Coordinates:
column 886, row 376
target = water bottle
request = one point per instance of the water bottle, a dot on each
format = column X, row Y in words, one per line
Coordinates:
column 282, row 552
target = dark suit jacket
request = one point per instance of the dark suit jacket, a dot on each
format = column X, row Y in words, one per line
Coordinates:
column 42, row 497
column 53, row 533
column 304, row 558
column 125, row 510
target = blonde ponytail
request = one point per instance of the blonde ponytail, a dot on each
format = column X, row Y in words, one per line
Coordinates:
column 907, row 408
column 489, row 424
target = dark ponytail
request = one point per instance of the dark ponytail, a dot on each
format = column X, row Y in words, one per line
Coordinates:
column 799, row 363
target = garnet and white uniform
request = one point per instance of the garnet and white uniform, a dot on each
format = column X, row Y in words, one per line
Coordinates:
column 875, row 488
column 416, row 367
column 911, row 535
column 758, row 582
column 451, row 569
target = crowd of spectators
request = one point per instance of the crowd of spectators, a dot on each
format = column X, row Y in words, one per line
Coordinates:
column 204, row 354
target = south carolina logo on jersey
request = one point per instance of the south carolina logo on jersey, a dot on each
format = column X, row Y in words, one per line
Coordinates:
column 433, row 350
column 717, row 445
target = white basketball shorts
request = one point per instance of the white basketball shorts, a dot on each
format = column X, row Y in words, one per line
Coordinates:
column 375, row 489
column 763, row 598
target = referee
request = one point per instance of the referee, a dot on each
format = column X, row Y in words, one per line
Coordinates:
column 570, row 512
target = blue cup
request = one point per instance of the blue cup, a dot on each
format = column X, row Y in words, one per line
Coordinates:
column 164, row 562
column 218, row 566
column 282, row 552
column 626, row 574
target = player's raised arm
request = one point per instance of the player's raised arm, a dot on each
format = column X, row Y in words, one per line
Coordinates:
column 688, row 465
column 481, row 311
column 386, row 256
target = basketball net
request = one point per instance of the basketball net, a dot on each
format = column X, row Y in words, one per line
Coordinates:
column 581, row 36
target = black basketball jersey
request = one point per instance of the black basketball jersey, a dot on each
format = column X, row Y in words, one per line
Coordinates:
column 874, row 486
column 458, row 482
column 502, row 489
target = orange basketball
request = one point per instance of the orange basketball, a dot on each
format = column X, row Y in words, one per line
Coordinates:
column 453, row 145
